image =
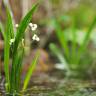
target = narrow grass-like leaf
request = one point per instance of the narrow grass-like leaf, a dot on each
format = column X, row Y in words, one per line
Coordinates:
column 85, row 42
column 56, row 51
column 2, row 31
column 7, row 35
column 30, row 71
column 19, row 35
column 61, row 38
column 22, row 27
column 73, row 58
column 13, row 77
column 19, row 67
column 87, row 37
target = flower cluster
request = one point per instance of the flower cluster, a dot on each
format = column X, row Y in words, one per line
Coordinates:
column 12, row 41
column 33, row 27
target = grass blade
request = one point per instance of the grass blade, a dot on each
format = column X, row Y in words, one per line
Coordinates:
column 19, row 35
column 19, row 67
column 57, row 53
column 85, row 42
column 73, row 41
column 22, row 27
column 87, row 37
column 30, row 71
column 61, row 38
column 7, row 35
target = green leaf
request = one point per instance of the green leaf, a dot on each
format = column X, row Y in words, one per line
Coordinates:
column 19, row 67
column 19, row 35
column 7, row 37
column 85, row 42
column 86, row 39
column 73, row 55
column 61, row 37
column 15, row 78
column 30, row 71
column 22, row 27
column 58, row 53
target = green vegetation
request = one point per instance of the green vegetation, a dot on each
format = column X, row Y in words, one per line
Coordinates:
column 74, row 51
column 14, row 46
column 67, row 49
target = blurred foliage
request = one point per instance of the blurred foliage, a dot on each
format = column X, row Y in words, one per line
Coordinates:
column 64, row 11
column 73, row 41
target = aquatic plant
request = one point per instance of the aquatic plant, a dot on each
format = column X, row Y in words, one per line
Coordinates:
column 14, row 46
column 71, row 54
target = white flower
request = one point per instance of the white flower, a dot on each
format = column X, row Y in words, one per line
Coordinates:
column 30, row 24
column 36, row 38
column 16, row 25
column 12, row 41
column 33, row 26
